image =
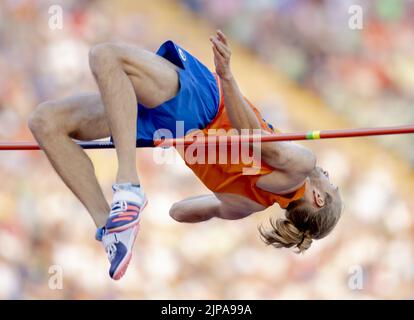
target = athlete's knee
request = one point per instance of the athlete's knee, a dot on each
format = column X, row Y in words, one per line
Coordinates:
column 43, row 120
column 103, row 56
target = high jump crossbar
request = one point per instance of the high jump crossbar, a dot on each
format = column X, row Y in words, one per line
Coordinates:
column 203, row 140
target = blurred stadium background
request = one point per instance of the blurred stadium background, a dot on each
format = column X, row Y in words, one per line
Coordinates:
column 302, row 65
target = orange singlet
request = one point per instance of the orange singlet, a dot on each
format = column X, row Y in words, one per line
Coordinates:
column 229, row 177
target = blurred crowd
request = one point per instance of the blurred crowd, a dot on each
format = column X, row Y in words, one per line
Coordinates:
column 365, row 74
column 43, row 228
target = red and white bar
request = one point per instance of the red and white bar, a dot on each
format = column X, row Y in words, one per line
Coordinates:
column 197, row 140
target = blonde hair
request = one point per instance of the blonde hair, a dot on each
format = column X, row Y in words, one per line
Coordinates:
column 301, row 224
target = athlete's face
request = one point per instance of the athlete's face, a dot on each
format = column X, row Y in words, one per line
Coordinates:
column 320, row 178
column 319, row 185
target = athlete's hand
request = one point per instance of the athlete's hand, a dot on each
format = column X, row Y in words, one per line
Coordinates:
column 222, row 54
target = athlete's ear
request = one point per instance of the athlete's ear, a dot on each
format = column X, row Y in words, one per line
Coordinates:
column 318, row 197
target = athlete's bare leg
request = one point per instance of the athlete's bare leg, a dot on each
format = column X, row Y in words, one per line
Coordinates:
column 54, row 124
column 125, row 75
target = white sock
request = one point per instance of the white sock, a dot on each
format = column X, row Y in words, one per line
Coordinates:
column 128, row 192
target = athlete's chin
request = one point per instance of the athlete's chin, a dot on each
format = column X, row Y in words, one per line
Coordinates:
column 315, row 175
column 315, row 178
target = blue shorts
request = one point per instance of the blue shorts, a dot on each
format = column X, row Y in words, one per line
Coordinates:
column 194, row 107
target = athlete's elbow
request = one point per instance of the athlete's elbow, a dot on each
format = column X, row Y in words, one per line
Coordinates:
column 176, row 213
column 182, row 214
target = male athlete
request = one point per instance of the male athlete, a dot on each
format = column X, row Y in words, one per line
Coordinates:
column 140, row 92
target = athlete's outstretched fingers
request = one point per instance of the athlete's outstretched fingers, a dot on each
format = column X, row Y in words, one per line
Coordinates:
column 223, row 48
column 220, row 48
column 217, row 54
column 222, row 37
column 222, row 42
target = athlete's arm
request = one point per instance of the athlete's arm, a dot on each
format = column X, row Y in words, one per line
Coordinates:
column 285, row 156
column 205, row 207
column 240, row 114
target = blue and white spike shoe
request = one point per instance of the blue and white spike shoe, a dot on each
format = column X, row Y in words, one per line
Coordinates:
column 121, row 229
